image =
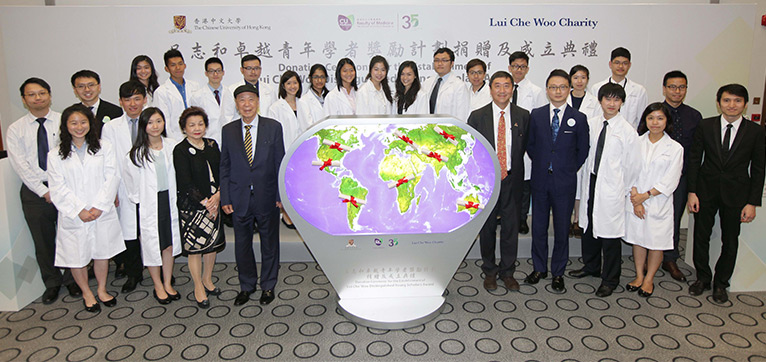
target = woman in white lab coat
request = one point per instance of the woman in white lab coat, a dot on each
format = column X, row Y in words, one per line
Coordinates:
column 649, row 214
column 142, row 70
column 409, row 97
column 83, row 181
column 316, row 93
column 150, row 180
column 291, row 110
column 374, row 96
column 342, row 99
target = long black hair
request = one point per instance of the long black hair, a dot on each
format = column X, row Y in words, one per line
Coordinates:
column 406, row 99
column 140, row 152
column 153, row 84
column 656, row 106
column 384, row 83
column 338, row 79
column 91, row 138
column 314, row 69
column 284, row 78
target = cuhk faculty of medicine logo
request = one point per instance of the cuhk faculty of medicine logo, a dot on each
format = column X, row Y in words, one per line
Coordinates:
column 345, row 22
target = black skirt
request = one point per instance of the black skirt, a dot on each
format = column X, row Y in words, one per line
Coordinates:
column 164, row 220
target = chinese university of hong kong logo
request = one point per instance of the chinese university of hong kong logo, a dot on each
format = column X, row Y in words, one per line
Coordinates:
column 345, row 22
column 179, row 24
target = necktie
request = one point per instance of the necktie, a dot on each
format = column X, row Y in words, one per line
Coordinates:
column 249, row 144
column 434, row 94
column 217, row 97
column 555, row 124
column 726, row 142
column 42, row 145
column 677, row 128
column 91, row 109
column 515, row 94
column 600, row 148
column 501, row 147
column 133, row 130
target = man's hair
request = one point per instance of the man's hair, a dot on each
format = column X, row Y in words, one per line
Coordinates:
column 500, row 74
column 248, row 58
column 86, row 74
column 213, row 60
column 620, row 52
column 474, row 62
column 446, row 50
column 734, row 89
column 37, row 81
column 559, row 73
column 170, row 54
column 518, row 55
column 673, row 74
column 610, row 90
column 131, row 88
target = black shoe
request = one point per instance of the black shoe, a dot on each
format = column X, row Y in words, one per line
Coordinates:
column 242, row 298
column 535, row 277
column 645, row 294
column 267, row 297
column 581, row 273
column 172, row 280
column 289, row 226
column 162, row 301
column 94, row 308
column 604, row 291
column 698, row 287
column 216, row 291
column 523, row 227
column 557, row 283
column 73, row 290
column 176, row 296
column 119, row 271
column 51, row 295
column 205, row 304
column 109, row 303
column 227, row 220
column 631, row 288
column 719, row 295
column 130, row 284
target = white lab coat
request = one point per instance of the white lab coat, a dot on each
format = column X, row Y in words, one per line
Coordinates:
column 292, row 125
column 590, row 106
column 620, row 165
column 660, row 169
column 636, row 100
column 530, row 96
column 452, row 99
column 370, row 101
column 74, row 186
column 266, row 96
column 315, row 108
column 141, row 183
column 217, row 115
column 337, row 104
column 420, row 106
column 481, row 98
column 117, row 132
column 169, row 101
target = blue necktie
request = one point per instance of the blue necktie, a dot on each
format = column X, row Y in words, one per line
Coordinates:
column 42, row 145
column 555, row 123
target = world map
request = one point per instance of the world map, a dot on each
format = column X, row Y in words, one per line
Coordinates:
column 384, row 178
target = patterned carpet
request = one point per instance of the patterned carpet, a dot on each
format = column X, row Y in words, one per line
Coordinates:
column 475, row 325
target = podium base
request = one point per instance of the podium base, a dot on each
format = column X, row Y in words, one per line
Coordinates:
column 391, row 313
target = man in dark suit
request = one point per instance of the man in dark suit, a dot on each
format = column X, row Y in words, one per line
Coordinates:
column 558, row 146
column 726, row 172
column 510, row 142
column 251, row 151
column 87, row 88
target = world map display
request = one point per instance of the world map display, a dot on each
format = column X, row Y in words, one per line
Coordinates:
column 383, row 178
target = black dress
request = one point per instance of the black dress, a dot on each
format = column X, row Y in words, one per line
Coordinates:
column 197, row 178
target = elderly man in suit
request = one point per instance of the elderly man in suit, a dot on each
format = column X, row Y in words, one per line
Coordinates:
column 558, row 146
column 726, row 173
column 505, row 127
column 87, row 87
column 251, row 152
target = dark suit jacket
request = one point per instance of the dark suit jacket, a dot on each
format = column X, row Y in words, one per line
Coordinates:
column 106, row 109
column 567, row 154
column 736, row 181
column 238, row 177
column 482, row 120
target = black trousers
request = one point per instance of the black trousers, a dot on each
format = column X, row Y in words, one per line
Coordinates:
column 703, row 227
column 508, row 205
column 526, row 196
column 268, row 230
column 41, row 218
column 592, row 248
column 131, row 256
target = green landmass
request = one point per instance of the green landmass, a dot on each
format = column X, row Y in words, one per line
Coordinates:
column 435, row 142
column 393, row 168
column 351, row 187
column 324, row 152
column 471, row 198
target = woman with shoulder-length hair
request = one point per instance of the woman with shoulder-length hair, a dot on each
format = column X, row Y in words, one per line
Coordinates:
column 649, row 219
column 374, row 96
column 150, row 181
column 142, row 70
column 83, row 181
column 317, row 92
column 342, row 99
column 291, row 110
column 409, row 98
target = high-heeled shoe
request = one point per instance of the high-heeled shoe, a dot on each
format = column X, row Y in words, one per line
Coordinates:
column 109, row 303
column 176, row 296
column 631, row 288
column 644, row 293
column 161, row 301
column 216, row 291
column 94, row 308
column 205, row 304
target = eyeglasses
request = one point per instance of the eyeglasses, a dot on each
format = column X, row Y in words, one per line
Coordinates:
column 250, row 69
column 562, row 88
column 447, row 60
column 215, row 71
column 38, row 94
column 674, row 87
column 519, row 67
column 624, row 64
column 86, row 86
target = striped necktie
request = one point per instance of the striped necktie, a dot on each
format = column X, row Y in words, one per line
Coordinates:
column 249, row 144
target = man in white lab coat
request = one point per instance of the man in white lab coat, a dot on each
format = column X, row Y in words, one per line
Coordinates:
column 121, row 133
column 215, row 99
column 478, row 88
column 609, row 172
column 529, row 96
column 636, row 99
column 251, row 69
column 172, row 97
column 446, row 92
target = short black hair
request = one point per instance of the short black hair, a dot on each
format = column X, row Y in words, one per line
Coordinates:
column 577, row 68
column 189, row 112
column 620, row 52
column 248, row 58
column 34, row 80
column 734, row 89
column 559, row 73
column 446, row 50
column 213, row 60
column 673, row 74
column 518, row 55
column 609, row 90
column 500, row 74
column 656, row 106
column 131, row 88
column 86, row 74
column 170, row 54
column 474, row 62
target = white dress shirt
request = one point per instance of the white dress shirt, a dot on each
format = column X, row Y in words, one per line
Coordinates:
column 734, row 129
column 508, row 139
column 253, row 132
column 21, row 143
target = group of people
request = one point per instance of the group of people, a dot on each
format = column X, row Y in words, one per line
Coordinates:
column 155, row 177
